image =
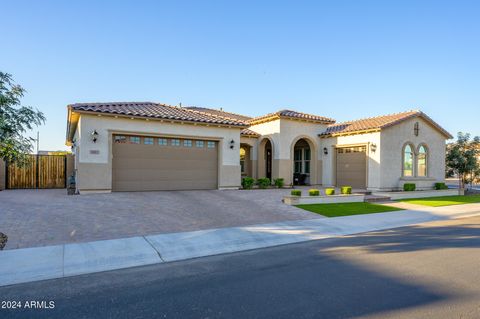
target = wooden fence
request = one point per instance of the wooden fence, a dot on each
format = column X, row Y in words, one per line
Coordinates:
column 40, row 171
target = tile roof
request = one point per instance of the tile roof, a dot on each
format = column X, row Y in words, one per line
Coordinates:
column 248, row 132
column 377, row 123
column 156, row 110
column 219, row 112
column 292, row 115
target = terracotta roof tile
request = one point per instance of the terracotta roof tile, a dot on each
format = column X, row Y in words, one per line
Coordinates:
column 219, row 113
column 155, row 110
column 377, row 123
column 248, row 132
column 290, row 114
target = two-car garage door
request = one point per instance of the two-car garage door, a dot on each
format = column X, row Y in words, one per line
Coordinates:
column 352, row 166
column 143, row 163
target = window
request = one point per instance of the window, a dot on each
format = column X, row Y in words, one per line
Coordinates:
column 162, row 141
column 242, row 159
column 134, row 139
column 199, row 143
column 211, row 144
column 120, row 139
column 408, row 157
column 148, row 140
column 175, row 142
column 301, row 158
column 187, row 143
column 422, row 161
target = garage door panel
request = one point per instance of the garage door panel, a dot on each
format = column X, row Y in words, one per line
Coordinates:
column 351, row 167
column 139, row 167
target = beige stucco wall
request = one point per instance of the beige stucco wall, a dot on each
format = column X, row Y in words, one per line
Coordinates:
column 2, row 175
column 95, row 170
column 393, row 140
column 284, row 133
column 373, row 160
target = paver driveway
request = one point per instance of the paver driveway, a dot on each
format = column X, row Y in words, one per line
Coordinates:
column 47, row 217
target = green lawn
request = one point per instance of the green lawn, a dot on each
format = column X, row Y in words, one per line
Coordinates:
column 346, row 209
column 443, row 200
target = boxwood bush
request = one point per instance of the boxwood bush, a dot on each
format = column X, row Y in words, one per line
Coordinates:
column 409, row 187
column 247, row 182
column 439, row 186
column 296, row 192
column 346, row 190
column 263, row 182
column 279, row 182
column 313, row 192
column 329, row 191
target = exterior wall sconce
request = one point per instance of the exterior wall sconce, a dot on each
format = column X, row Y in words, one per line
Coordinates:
column 94, row 136
column 325, row 151
column 232, row 143
column 416, row 129
column 373, row 147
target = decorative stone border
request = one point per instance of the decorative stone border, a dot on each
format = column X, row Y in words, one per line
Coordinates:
column 332, row 199
column 419, row 194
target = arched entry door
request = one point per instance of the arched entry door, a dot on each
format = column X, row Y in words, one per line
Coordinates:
column 301, row 162
column 268, row 160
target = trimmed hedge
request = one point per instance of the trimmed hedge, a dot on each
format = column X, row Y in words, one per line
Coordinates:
column 439, row 186
column 346, row 190
column 263, row 182
column 296, row 192
column 248, row 182
column 329, row 191
column 279, row 182
column 409, row 187
column 314, row 192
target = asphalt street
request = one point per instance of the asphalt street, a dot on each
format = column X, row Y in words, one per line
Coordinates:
column 423, row 271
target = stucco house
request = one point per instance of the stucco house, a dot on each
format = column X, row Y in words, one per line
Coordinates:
column 151, row 146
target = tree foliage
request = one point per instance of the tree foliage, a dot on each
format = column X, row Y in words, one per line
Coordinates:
column 463, row 159
column 15, row 121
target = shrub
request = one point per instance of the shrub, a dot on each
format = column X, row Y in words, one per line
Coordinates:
column 279, row 182
column 409, row 187
column 263, row 182
column 439, row 186
column 329, row 191
column 346, row 190
column 313, row 192
column 247, row 182
column 296, row 192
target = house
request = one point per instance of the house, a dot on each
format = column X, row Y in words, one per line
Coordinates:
column 150, row 146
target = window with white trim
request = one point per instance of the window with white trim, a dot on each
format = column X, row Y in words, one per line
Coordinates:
column 162, row 141
column 187, row 143
column 199, row 143
column 211, row 144
column 408, row 160
column 175, row 142
column 148, row 140
column 422, row 164
column 134, row 139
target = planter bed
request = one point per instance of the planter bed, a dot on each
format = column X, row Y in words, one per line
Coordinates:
column 418, row 194
column 332, row 199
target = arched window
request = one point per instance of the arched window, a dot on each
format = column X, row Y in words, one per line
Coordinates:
column 422, row 161
column 408, row 160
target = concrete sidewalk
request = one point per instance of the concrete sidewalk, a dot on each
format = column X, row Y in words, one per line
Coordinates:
column 32, row 264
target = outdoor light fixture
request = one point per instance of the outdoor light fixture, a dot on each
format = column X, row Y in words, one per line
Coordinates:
column 232, row 143
column 94, row 136
column 373, row 147
column 325, row 151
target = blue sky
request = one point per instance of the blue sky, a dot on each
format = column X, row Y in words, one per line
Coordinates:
column 341, row 59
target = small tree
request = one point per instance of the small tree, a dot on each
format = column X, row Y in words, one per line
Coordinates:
column 462, row 159
column 15, row 120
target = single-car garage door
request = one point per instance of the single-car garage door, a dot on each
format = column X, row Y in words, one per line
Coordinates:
column 143, row 163
column 352, row 166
